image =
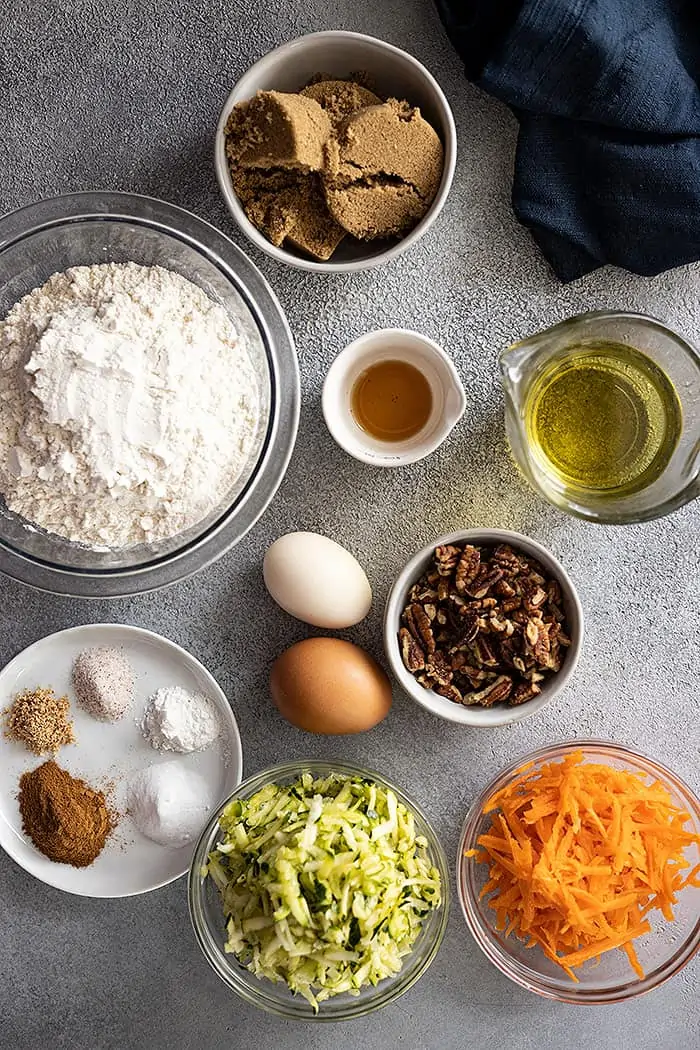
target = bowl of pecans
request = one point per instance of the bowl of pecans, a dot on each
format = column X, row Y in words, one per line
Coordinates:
column 483, row 627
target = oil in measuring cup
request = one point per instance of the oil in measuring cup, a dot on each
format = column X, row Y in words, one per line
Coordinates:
column 602, row 419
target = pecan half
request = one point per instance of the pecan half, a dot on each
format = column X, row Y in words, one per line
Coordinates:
column 494, row 692
column 418, row 623
column 446, row 559
column 467, row 568
column 507, row 559
column 411, row 652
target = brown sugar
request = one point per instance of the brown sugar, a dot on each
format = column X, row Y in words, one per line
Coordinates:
column 277, row 130
column 313, row 229
column 311, row 167
column 339, row 98
column 287, row 206
column 383, row 170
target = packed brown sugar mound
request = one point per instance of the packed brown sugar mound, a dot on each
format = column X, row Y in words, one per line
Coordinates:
column 276, row 130
column 385, row 168
column 340, row 98
column 333, row 160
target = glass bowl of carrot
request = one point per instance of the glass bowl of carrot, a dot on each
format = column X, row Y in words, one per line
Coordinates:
column 578, row 872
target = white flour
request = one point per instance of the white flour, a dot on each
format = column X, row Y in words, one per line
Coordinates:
column 128, row 404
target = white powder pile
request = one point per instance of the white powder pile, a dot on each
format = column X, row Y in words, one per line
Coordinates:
column 103, row 680
column 176, row 720
column 168, row 803
column 128, row 405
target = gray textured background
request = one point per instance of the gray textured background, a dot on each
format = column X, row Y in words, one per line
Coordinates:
column 125, row 95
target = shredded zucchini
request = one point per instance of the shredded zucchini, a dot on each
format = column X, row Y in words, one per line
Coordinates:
column 324, row 884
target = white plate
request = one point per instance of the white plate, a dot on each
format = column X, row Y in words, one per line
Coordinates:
column 111, row 752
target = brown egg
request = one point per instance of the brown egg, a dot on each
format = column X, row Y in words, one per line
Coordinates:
column 326, row 685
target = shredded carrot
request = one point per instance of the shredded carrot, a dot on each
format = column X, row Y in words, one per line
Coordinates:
column 580, row 853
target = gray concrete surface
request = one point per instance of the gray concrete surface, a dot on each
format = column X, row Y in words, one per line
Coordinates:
column 126, row 95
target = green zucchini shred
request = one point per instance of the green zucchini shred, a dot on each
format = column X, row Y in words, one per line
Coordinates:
column 324, row 884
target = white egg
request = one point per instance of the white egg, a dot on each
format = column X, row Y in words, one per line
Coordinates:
column 316, row 580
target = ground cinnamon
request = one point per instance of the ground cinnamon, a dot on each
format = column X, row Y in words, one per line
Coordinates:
column 64, row 817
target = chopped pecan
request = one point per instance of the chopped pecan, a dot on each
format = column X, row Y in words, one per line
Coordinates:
column 505, row 556
column 523, row 692
column 541, row 647
column 498, row 625
column 554, row 592
column 467, row 627
column 418, row 624
column 474, row 675
column 458, row 659
column 483, row 584
column 493, row 693
column 534, row 595
column 411, row 652
column 446, row 559
column 437, row 668
column 422, row 594
column 450, row 692
column 467, row 568
column 504, row 589
column 484, row 626
column 484, row 654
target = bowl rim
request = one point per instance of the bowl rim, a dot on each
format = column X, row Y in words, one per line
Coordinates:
column 447, row 709
column 518, row 972
column 255, row 993
column 276, row 451
column 448, row 133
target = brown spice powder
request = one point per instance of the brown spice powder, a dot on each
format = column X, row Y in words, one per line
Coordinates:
column 39, row 719
column 63, row 816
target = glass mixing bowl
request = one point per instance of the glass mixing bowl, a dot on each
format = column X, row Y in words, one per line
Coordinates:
column 86, row 228
column 208, row 918
column 662, row 953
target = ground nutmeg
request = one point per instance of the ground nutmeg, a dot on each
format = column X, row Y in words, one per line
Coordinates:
column 63, row 816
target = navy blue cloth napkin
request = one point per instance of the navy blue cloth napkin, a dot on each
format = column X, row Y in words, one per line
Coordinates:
column 607, row 95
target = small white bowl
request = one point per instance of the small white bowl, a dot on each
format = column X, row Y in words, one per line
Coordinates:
column 482, row 716
column 396, row 74
column 390, row 344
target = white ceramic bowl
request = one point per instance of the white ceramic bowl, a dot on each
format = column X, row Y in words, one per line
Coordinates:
column 395, row 73
column 388, row 344
column 482, row 716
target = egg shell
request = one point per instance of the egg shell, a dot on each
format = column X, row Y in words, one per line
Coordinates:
column 317, row 581
column 328, row 686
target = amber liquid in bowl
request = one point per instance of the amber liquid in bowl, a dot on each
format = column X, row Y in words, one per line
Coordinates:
column 391, row 400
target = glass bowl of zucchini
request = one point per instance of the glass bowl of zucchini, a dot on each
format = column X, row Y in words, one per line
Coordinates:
column 319, row 891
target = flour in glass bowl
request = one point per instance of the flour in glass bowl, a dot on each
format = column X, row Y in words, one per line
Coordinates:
column 128, row 405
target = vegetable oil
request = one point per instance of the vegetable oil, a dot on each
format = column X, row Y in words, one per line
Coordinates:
column 602, row 418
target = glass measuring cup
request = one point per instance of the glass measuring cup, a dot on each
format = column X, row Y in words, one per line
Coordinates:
column 523, row 364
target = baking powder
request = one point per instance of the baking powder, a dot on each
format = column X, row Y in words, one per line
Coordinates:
column 176, row 720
